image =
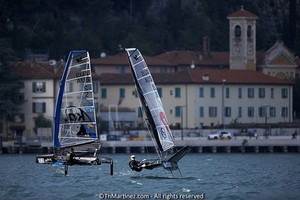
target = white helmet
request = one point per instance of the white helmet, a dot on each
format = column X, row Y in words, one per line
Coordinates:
column 132, row 157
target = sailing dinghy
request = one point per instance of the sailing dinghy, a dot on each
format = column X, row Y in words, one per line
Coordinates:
column 75, row 135
column 156, row 118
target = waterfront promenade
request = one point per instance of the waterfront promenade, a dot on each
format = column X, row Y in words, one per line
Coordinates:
column 239, row 144
column 203, row 145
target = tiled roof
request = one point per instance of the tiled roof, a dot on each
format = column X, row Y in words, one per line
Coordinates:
column 122, row 59
column 177, row 58
column 234, row 77
column 242, row 13
column 199, row 58
column 197, row 76
column 30, row 70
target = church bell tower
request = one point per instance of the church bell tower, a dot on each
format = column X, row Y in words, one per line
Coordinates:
column 242, row 40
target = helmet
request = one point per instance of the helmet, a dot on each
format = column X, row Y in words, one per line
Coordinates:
column 132, row 157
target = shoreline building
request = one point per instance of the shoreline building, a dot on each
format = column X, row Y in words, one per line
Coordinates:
column 198, row 88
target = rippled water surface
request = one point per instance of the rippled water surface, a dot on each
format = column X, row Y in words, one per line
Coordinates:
column 213, row 176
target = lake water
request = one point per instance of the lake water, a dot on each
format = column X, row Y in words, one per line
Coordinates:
column 213, row 176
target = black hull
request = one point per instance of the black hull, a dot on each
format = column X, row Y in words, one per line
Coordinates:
column 53, row 159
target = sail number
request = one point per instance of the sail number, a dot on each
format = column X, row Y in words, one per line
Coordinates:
column 148, row 79
column 145, row 72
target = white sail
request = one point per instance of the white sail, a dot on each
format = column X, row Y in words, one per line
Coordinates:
column 75, row 118
column 151, row 101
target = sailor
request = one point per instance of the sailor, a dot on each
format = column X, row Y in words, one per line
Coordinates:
column 70, row 157
column 82, row 131
column 134, row 165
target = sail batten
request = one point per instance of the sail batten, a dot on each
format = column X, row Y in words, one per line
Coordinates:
column 163, row 138
column 75, row 118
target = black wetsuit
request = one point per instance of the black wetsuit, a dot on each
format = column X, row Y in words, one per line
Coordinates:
column 82, row 131
column 70, row 158
column 134, row 165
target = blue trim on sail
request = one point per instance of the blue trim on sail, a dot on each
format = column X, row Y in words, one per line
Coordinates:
column 92, row 134
column 60, row 96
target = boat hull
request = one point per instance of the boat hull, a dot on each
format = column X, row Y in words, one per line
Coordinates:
column 53, row 159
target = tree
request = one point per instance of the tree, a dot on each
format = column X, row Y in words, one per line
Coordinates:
column 9, row 86
column 41, row 122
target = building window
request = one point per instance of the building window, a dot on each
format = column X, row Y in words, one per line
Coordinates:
column 163, row 69
column 227, row 112
column 227, row 93
column 18, row 118
column 284, row 93
column 251, row 93
column 212, row 92
column 272, row 93
column 201, row 111
column 159, row 91
column 122, row 93
column 201, row 92
column 177, row 92
column 38, row 107
column 272, row 112
column 38, row 87
column 240, row 93
column 19, row 98
column 103, row 93
column 250, row 111
column 177, row 111
column 284, row 111
column 261, row 92
column 121, row 69
column 262, row 111
column 212, row 111
column 240, row 114
column 249, row 31
column 237, row 31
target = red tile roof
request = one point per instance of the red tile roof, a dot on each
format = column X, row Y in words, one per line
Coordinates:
column 242, row 13
column 178, row 58
column 235, row 77
column 30, row 70
column 122, row 59
column 195, row 76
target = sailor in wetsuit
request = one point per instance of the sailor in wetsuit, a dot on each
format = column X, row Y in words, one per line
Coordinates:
column 82, row 131
column 70, row 157
column 134, row 165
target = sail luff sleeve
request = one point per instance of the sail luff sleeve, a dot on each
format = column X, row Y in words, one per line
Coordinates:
column 59, row 101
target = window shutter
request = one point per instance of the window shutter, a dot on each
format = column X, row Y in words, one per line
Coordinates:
column 44, row 107
column 33, row 108
column 44, row 87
